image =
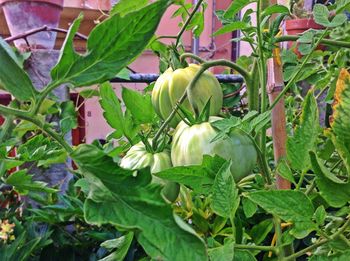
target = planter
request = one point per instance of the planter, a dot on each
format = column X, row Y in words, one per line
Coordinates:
column 299, row 26
column 25, row 15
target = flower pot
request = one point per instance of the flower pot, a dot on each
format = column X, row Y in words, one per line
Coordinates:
column 24, row 15
column 299, row 26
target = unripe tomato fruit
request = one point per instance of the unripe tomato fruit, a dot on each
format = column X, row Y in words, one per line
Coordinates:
column 138, row 158
column 170, row 86
column 190, row 143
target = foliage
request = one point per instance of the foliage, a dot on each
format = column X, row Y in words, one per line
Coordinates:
column 112, row 213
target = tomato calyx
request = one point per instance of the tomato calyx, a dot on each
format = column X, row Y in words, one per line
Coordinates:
column 191, row 120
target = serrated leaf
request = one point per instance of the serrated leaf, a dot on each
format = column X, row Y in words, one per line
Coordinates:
column 122, row 245
column 200, row 178
column 142, row 208
column 235, row 7
column 112, row 109
column 23, row 183
column 243, row 255
column 284, row 171
column 12, row 77
column 139, row 105
column 273, row 9
column 108, row 46
column 290, row 206
column 321, row 16
column 305, row 136
column 225, row 199
column 234, row 26
column 126, row 6
column 340, row 121
column 333, row 190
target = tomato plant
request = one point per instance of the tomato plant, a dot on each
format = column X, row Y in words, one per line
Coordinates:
column 225, row 171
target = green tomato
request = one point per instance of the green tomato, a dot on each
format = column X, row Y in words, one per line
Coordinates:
column 170, row 86
column 138, row 158
column 190, row 143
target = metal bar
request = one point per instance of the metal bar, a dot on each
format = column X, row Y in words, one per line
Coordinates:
column 152, row 77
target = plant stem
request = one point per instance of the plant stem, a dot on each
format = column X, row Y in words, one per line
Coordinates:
column 7, row 128
column 188, row 20
column 191, row 55
column 43, row 94
column 321, row 242
column 323, row 41
column 278, row 231
column 296, row 74
column 300, row 182
column 310, row 188
column 254, row 247
column 23, row 115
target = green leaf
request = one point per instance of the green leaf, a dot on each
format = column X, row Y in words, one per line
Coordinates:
column 23, row 183
column 235, row 7
column 199, row 178
column 225, row 199
column 291, row 206
column 305, row 136
column 340, row 121
column 139, row 105
column 284, row 171
column 126, row 6
column 273, row 9
column 333, row 190
column 335, row 257
column 12, row 77
column 225, row 252
column 249, row 207
column 111, row 46
column 234, row 26
column 321, row 16
column 68, row 116
column 112, row 109
column 120, row 198
column 243, row 255
column 260, row 231
column 122, row 245
column 320, row 215
column 88, row 93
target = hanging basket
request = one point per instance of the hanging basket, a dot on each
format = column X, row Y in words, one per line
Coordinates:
column 24, row 15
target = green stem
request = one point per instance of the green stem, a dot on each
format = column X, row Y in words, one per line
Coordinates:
column 254, row 247
column 286, row 38
column 7, row 128
column 319, row 243
column 191, row 55
column 23, row 115
column 297, row 73
column 310, row 188
column 188, row 20
column 278, row 231
column 300, row 182
column 43, row 94
column 253, row 88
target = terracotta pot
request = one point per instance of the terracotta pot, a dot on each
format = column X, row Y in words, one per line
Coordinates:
column 25, row 15
column 299, row 26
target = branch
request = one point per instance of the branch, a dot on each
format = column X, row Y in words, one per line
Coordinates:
column 183, row 29
column 44, row 28
column 286, row 38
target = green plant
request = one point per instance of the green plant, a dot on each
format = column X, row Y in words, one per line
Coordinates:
column 172, row 84
column 215, row 216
